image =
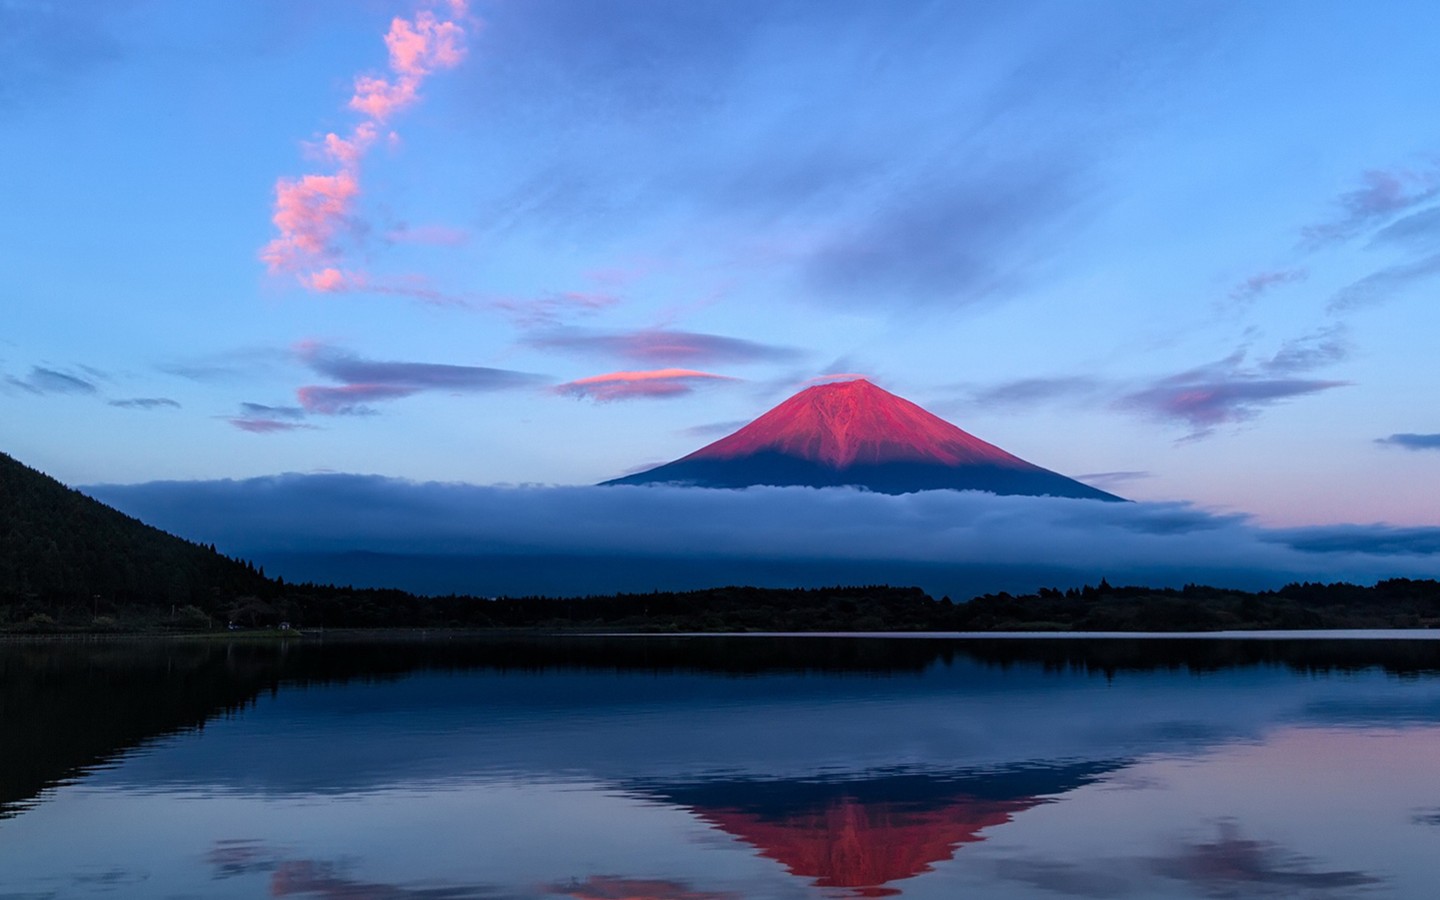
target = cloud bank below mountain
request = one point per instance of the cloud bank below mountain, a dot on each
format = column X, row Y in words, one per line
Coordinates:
column 439, row 538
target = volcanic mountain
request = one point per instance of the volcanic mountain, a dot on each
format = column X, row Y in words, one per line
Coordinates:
column 854, row 433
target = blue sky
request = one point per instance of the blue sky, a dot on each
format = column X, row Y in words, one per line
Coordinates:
column 1187, row 250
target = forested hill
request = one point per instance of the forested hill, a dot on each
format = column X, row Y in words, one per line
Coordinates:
column 61, row 549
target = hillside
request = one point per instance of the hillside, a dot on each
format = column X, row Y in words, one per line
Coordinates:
column 62, row 552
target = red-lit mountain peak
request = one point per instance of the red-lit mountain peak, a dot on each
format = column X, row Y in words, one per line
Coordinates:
column 845, row 423
column 852, row 433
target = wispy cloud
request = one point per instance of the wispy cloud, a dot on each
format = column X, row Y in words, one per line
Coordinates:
column 1380, row 286
column 1230, row 391
column 264, row 411
column 1025, row 392
column 1418, row 228
column 1412, row 441
column 955, row 237
column 1309, row 352
column 552, row 308
column 1204, row 399
column 432, row 235
column 661, row 346
column 262, row 418
column 231, row 366
column 708, row 430
column 651, row 384
column 267, row 426
column 331, row 280
column 52, row 381
column 146, row 403
column 1111, row 479
column 1382, row 194
column 1263, row 282
column 313, row 212
column 362, row 381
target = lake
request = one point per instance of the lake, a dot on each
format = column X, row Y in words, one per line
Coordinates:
column 705, row 768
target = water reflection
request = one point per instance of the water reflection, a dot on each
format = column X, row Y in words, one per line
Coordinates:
column 322, row 879
column 864, row 834
column 612, row 887
column 1232, row 862
column 715, row 769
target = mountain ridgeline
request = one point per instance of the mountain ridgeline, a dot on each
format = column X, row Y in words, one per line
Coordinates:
column 854, row 433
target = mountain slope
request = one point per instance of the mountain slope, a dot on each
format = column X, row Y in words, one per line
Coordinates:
column 58, row 546
column 854, row 433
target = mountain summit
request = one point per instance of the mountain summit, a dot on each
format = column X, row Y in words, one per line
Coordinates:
column 854, row 433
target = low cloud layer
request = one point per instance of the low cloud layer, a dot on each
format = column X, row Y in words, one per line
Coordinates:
column 455, row 537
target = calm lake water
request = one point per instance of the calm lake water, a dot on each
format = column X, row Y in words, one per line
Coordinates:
column 707, row 768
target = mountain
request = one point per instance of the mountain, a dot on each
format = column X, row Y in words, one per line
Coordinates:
column 62, row 550
column 854, row 433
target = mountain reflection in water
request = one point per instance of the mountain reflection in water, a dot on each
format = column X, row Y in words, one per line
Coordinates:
column 707, row 768
column 864, row 834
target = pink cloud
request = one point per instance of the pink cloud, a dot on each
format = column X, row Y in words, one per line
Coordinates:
column 329, row 281
column 379, row 99
column 417, row 48
column 347, row 152
column 311, row 211
column 654, row 383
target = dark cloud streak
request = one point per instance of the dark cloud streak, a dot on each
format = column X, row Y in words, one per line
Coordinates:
column 1412, row 441
column 363, row 380
column 146, row 403
column 49, row 381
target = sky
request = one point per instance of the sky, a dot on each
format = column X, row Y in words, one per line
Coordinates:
column 1187, row 252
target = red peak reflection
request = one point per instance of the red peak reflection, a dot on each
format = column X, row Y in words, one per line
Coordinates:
column 865, row 846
